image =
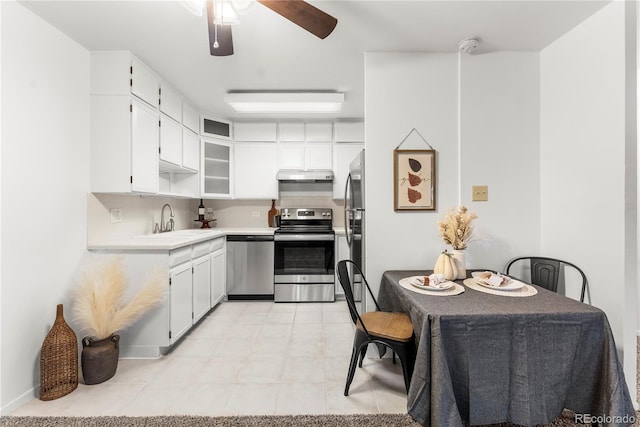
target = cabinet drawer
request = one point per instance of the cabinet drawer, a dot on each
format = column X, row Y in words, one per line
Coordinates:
column 200, row 249
column 179, row 256
column 217, row 244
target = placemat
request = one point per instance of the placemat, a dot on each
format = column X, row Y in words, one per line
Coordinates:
column 525, row 291
column 454, row 290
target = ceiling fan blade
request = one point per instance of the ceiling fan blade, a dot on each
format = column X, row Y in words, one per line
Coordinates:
column 220, row 33
column 304, row 15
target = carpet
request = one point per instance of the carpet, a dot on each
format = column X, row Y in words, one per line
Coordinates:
column 375, row 420
column 369, row 420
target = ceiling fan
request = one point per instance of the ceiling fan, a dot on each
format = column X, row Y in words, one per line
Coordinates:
column 299, row 12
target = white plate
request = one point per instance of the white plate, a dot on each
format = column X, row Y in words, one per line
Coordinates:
column 511, row 284
column 418, row 282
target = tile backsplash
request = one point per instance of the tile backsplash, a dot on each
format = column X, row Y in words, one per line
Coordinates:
column 254, row 213
column 140, row 213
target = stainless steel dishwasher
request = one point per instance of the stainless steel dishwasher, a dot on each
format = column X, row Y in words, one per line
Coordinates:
column 250, row 267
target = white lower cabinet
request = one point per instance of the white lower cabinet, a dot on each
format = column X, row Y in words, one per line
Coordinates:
column 180, row 301
column 218, row 275
column 195, row 281
column 201, row 287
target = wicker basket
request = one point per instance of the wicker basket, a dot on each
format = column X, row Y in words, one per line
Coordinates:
column 58, row 360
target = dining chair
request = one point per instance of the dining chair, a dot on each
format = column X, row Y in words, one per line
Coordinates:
column 546, row 272
column 385, row 329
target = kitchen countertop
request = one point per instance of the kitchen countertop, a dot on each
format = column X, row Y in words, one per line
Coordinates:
column 175, row 239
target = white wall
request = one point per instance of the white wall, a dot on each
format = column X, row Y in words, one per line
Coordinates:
column 588, row 207
column 499, row 134
column 497, row 140
column 45, row 178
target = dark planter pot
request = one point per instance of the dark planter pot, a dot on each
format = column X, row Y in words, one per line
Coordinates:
column 100, row 359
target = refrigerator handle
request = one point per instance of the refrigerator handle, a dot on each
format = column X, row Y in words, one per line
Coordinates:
column 346, row 212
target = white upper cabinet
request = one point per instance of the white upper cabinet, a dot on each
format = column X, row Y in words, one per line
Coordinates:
column 291, row 155
column 170, row 102
column 255, row 169
column 190, row 149
column 144, row 143
column 349, row 131
column 216, row 168
column 124, row 145
column 254, row 132
column 121, row 73
column 319, row 156
column 121, row 78
column 319, row 132
column 291, row 132
column 190, row 117
column 170, row 142
column 145, row 84
column 215, row 127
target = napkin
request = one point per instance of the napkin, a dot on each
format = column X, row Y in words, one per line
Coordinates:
column 493, row 279
column 436, row 280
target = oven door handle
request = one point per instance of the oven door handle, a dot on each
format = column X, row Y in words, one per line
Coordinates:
column 303, row 237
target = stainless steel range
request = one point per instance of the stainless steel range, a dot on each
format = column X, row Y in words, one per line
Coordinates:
column 304, row 257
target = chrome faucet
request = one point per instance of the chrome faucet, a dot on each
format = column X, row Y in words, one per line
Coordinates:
column 169, row 226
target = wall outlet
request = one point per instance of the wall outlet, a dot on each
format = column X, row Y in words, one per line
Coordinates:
column 116, row 215
column 255, row 214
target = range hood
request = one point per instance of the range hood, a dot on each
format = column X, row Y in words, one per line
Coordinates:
column 296, row 175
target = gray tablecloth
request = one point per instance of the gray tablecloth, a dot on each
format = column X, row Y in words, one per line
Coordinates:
column 486, row 359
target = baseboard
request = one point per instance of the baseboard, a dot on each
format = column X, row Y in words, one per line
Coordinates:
column 20, row 400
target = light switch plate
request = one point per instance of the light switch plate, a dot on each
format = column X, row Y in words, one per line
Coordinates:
column 116, row 215
column 480, row 193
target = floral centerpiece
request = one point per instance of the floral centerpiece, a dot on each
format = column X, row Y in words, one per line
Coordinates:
column 456, row 229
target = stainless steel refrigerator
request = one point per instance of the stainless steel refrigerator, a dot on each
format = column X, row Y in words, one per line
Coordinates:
column 354, row 217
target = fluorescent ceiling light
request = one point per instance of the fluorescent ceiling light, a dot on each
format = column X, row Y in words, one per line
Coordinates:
column 285, row 102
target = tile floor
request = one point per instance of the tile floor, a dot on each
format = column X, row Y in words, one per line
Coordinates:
column 246, row 358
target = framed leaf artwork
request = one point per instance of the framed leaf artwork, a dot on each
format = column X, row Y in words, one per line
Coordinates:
column 414, row 176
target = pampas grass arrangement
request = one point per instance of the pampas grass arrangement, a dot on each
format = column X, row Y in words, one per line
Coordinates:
column 456, row 229
column 100, row 309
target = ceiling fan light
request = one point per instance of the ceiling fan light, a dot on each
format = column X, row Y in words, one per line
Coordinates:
column 225, row 15
column 242, row 6
column 285, row 102
column 194, row 6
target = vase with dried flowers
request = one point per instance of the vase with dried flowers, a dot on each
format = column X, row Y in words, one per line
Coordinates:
column 100, row 310
column 456, row 229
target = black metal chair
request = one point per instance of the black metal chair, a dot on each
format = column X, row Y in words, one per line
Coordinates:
column 385, row 329
column 545, row 272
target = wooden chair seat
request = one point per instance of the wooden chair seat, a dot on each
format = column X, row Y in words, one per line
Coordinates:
column 393, row 326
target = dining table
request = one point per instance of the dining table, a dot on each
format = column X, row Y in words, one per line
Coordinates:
column 488, row 356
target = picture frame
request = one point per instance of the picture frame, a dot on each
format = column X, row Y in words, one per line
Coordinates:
column 414, row 180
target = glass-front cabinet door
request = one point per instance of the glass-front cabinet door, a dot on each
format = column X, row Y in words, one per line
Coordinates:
column 216, row 168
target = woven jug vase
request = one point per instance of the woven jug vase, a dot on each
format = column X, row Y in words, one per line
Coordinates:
column 58, row 360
